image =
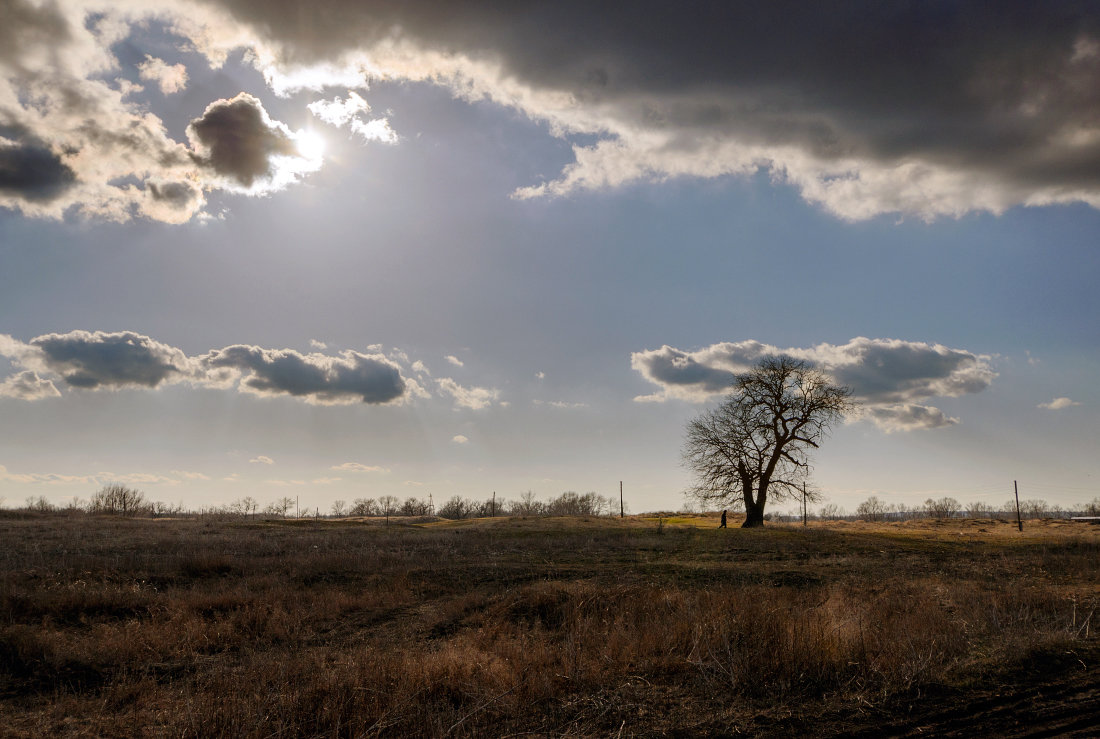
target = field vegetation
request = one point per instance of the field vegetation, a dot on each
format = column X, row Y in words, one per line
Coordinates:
column 184, row 627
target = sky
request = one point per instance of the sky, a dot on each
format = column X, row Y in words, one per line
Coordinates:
column 339, row 250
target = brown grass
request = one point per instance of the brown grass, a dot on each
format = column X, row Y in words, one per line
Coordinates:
column 113, row 627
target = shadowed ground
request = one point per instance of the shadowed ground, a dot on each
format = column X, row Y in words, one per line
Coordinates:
column 642, row 626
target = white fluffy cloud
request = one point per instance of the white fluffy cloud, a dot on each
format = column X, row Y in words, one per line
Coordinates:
column 27, row 385
column 474, row 398
column 170, row 78
column 347, row 112
column 1058, row 404
column 889, row 378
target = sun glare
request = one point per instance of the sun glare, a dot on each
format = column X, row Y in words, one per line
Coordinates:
column 311, row 145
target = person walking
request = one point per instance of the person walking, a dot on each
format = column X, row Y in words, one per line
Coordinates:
column 723, row 524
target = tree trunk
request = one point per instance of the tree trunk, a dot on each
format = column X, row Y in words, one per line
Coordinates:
column 754, row 511
column 754, row 515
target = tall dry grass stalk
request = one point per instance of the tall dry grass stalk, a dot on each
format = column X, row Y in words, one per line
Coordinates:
column 180, row 628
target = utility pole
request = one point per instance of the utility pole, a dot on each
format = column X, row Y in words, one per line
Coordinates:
column 297, row 510
column 803, row 504
column 622, row 511
column 494, row 508
column 1019, row 521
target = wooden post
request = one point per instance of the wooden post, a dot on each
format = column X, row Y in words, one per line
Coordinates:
column 803, row 504
column 493, row 510
column 1019, row 521
column 622, row 513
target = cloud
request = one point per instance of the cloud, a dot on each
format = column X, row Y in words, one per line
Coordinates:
column 170, row 78
column 47, row 478
column 913, row 108
column 27, row 385
column 316, row 378
column 888, row 377
column 908, row 417
column 341, row 112
column 1058, row 404
column 560, row 404
column 99, row 360
column 190, row 475
column 357, row 467
column 474, row 398
column 261, row 459
column 137, row 478
column 31, row 171
column 102, row 360
column 238, row 140
column 454, row 360
column 459, row 439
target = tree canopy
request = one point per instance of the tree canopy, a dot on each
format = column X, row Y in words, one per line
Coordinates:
column 757, row 442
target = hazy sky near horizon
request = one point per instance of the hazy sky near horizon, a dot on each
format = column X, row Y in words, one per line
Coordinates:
column 350, row 249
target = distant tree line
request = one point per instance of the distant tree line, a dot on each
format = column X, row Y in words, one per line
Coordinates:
column 120, row 500
column 875, row 509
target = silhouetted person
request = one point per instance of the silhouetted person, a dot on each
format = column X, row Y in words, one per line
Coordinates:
column 723, row 524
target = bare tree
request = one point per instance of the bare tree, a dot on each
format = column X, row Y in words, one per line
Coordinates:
column 527, row 505
column 942, row 508
column 280, row 507
column 40, row 504
column 978, row 509
column 118, row 499
column 387, row 505
column 456, row 507
column 364, row 507
column 871, row 509
column 414, row 507
column 339, row 508
column 1034, row 508
column 757, row 442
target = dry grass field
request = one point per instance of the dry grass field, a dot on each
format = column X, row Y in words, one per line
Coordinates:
column 546, row 627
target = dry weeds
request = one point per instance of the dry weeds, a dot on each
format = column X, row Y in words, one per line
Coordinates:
column 181, row 628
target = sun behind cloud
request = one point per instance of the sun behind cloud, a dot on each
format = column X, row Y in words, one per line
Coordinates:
column 310, row 145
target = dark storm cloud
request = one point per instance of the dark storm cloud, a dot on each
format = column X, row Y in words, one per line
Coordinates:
column 932, row 108
column 237, row 139
column 887, row 376
column 351, row 377
column 103, row 360
column 958, row 96
column 31, row 171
